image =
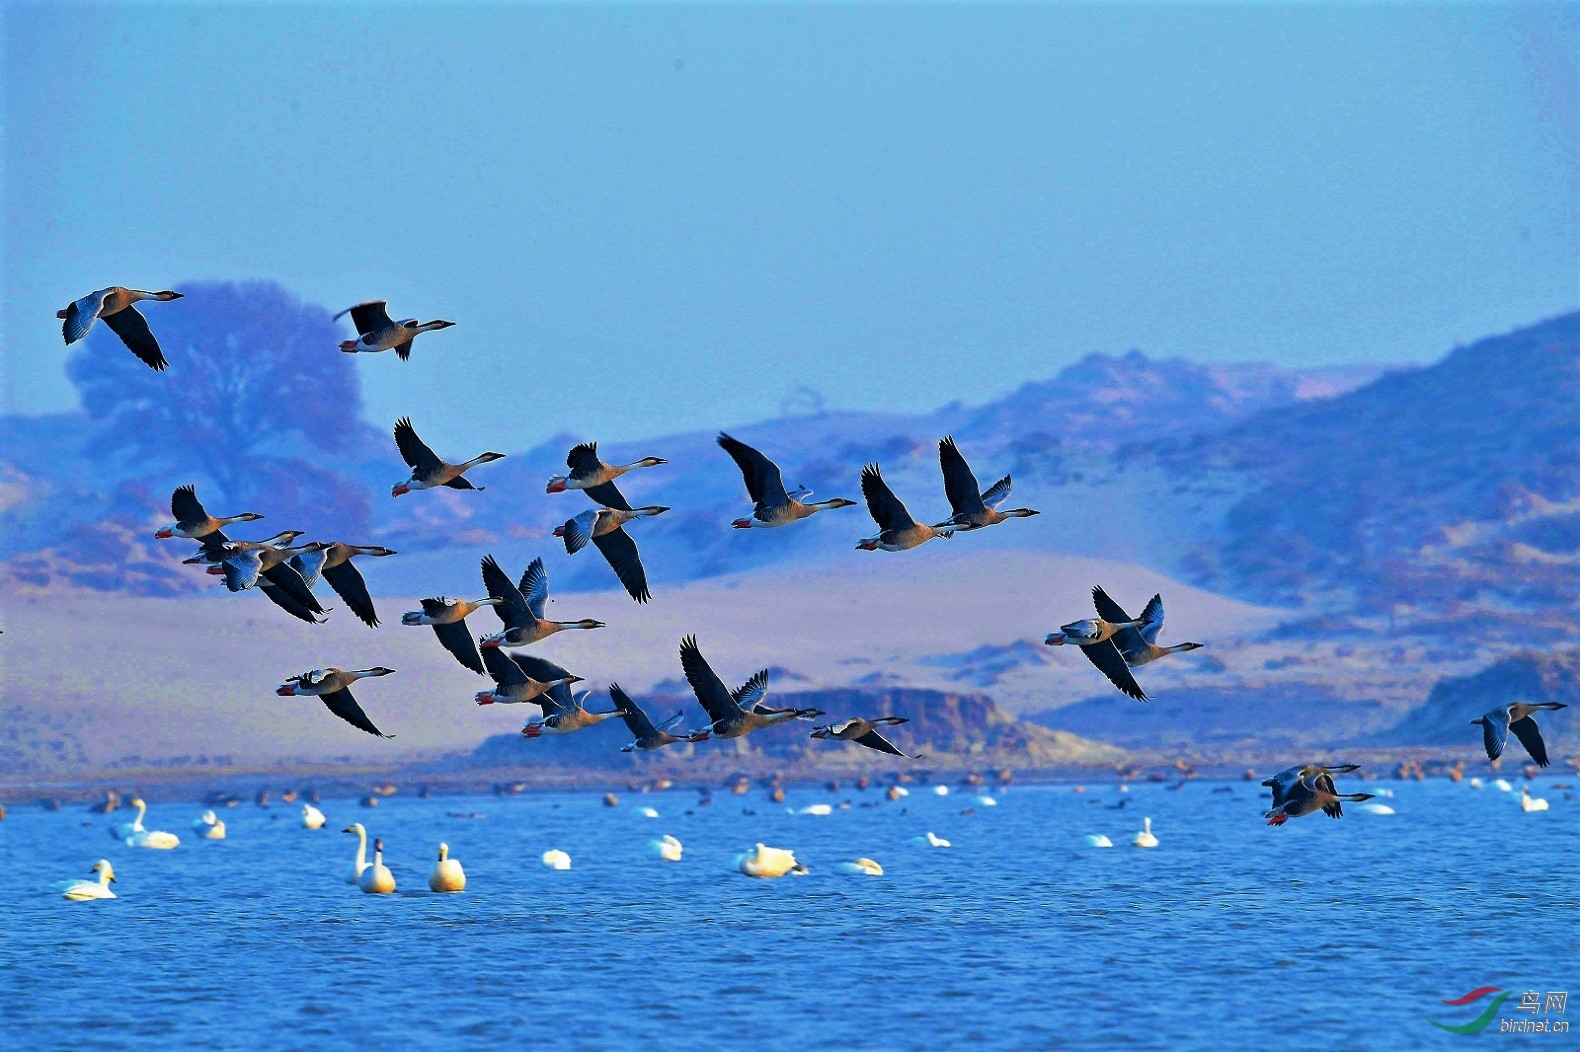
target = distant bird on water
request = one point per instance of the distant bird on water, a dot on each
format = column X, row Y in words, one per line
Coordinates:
column 1138, row 645
column 595, row 478
column 897, row 530
column 427, row 470
column 734, row 713
column 192, row 521
column 377, row 879
column 605, row 528
column 647, row 735
column 1496, row 725
column 114, row 305
column 447, row 875
column 1306, row 789
column 973, row 507
column 332, row 686
column 521, row 606
column 448, row 619
column 379, row 333
column 82, row 890
column 773, row 506
column 1095, row 638
column 864, row 732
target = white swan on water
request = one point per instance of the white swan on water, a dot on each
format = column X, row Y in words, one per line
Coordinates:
column 554, row 858
column 127, row 830
column 447, row 873
column 377, row 878
column 1145, row 837
column 354, row 873
column 1502, row 786
column 312, row 817
column 764, row 861
column 1529, row 802
column 155, row 839
column 1376, row 809
column 861, row 867
column 82, row 890
column 665, row 849
column 208, row 826
column 928, row 839
column 1096, row 840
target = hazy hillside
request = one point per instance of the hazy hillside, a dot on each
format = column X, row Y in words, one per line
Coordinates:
column 1445, row 715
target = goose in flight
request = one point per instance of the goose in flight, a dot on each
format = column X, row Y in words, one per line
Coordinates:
column 605, row 528
column 268, row 568
column 564, row 713
column 897, row 530
column 427, row 470
column 448, row 618
column 520, row 678
column 734, row 713
column 1496, row 725
column 115, row 306
column 1137, row 645
column 332, row 686
column 1095, row 637
column 1302, row 790
column 772, row 505
column 521, row 606
column 973, row 507
column 647, row 735
column 595, row 478
column 333, row 563
column 378, row 333
column 192, row 521
column 865, row 733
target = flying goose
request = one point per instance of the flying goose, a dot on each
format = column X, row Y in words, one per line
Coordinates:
column 1138, row 645
column 1496, row 725
column 520, row 678
column 897, row 531
column 333, row 563
column 1095, row 638
column 521, row 606
column 593, row 477
column 973, row 507
column 764, row 484
column 563, row 713
column 268, row 568
column 379, row 333
column 448, row 618
column 192, row 521
column 1304, row 790
column 604, row 527
column 427, row 470
column 214, row 548
column 332, row 686
column 864, row 732
column 647, row 735
column 734, row 713
column 114, row 305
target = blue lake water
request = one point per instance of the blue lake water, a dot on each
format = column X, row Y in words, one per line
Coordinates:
column 1230, row 934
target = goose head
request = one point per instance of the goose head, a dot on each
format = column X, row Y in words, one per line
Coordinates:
column 1189, row 646
column 488, row 458
column 836, row 502
column 378, row 670
column 651, row 462
column 167, row 295
column 105, row 871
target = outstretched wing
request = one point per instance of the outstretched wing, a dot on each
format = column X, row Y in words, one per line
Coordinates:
column 534, row 587
column 754, row 690
column 1129, row 641
column 873, row 740
column 1531, row 737
column 310, row 565
column 81, row 315
column 609, row 495
column 185, row 506
column 413, row 450
column 1494, row 735
column 458, row 641
column 636, row 720
column 403, row 351
column 1112, row 664
column 619, row 550
column 370, row 316
column 583, row 458
column 764, row 484
column 960, row 485
column 1151, row 619
column 501, row 669
column 133, row 330
column 347, row 582
column 578, row 531
column 884, row 507
column 342, row 704
column 280, row 598
column 705, row 683
column 997, row 493
column 512, row 606
column 289, row 580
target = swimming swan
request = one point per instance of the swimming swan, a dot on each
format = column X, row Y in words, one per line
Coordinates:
column 447, row 873
column 665, row 849
column 1145, row 837
column 155, row 839
column 1096, row 840
column 208, row 826
column 928, row 840
column 377, row 878
column 764, row 861
column 1376, row 809
column 647, row 812
column 127, row 830
column 556, row 859
column 861, row 867
column 312, row 817
column 354, row 873
column 815, row 809
column 82, row 890
column 1529, row 802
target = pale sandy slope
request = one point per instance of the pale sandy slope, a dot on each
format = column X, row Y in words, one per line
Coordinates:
column 161, row 678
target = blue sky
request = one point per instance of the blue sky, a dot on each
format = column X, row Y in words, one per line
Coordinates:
column 647, row 218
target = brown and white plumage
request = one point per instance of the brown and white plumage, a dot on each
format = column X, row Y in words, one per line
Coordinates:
column 521, row 606
column 192, row 520
column 864, row 733
column 592, row 476
column 772, row 504
column 427, row 470
column 564, row 713
column 448, row 617
column 377, row 332
column 1496, row 725
column 973, row 508
column 646, row 735
column 1095, row 638
column 1303, row 790
column 605, row 528
column 246, row 565
column 898, row 531
column 734, row 713
column 520, row 678
column 115, row 306
column 332, row 686
column 1138, row 644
